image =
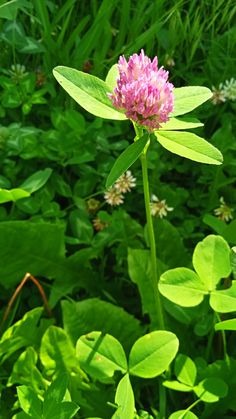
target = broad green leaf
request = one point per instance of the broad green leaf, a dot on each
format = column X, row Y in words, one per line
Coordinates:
column 224, row 301
column 226, row 325
column 80, row 317
column 12, row 195
column 126, row 159
column 140, row 271
column 177, row 386
column 101, row 355
column 152, row 354
column 56, row 391
column 182, row 286
column 112, row 76
column 190, row 146
column 211, row 389
column 54, row 407
column 170, row 249
column 29, row 402
column 215, row 223
column 64, row 410
column 124, row 399
column 25, row 371
column 169, row 243
column 205, row 322
column 185, row 370
column 182, row 414
column 188, row 98
column 37, row 248
column 180, row 123
column 17, row 336
column 8, row 10
column 57, row 351
column 36, row 181
column 89, row 91
column 211, row 260
column 230, row 232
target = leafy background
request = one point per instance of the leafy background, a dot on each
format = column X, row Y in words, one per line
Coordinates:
column 55, row 157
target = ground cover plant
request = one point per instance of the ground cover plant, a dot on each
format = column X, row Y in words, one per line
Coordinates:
column 128, row 245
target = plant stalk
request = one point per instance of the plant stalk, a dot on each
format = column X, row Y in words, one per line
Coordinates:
column 152, row 243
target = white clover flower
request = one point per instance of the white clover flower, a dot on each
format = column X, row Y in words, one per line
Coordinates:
column 113, row 197
column 224, row 212
column 225, row 91
column 125, row 182
column 159, row 208
column 218, row 95
column 229, row 89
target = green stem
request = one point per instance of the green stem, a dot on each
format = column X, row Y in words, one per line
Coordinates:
column 189, row 408
column 152, row 243
column 162, row 400
column 223, row 341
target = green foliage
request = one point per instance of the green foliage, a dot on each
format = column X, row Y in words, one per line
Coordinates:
column 126, row 159
column 55, row 159
column 12, row 195
column 124, row 399
column 152, row 354
column 89, row 91
column 188, row 98
column 17, row 336
column 100, row 356
column 211, row 259
column 79, row 318
column 190, row 146
column 56, row 351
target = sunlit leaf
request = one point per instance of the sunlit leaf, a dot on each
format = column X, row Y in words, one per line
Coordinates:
column 89, row 91
column 190, row 146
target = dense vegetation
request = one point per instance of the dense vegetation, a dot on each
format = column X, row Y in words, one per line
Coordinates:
column 65, row 245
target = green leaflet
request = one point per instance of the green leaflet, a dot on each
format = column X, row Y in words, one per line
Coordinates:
column 89, row 91
column 124, row 399
column 188, row 98
column 126, row 159
column 101, row 355
column 180, row 123
column 12, row 195
column 189, row 145
column 152, row 354
column 211, row 260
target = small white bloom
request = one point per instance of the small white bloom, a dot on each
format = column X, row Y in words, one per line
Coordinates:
column 125, row 182
column 114, row 197
column 225, row 91
column 218, row 95
column 224, row 212
column 229, row 89
column 159, row 208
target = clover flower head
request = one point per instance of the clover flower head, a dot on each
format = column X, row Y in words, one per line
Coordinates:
column 125, row 182
column 113, row 197
column 224, row 212
column 218, row 95
column 229, row 89
column 159, row 208
column 98, row 224
column 225, row 91
column 143, row 92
